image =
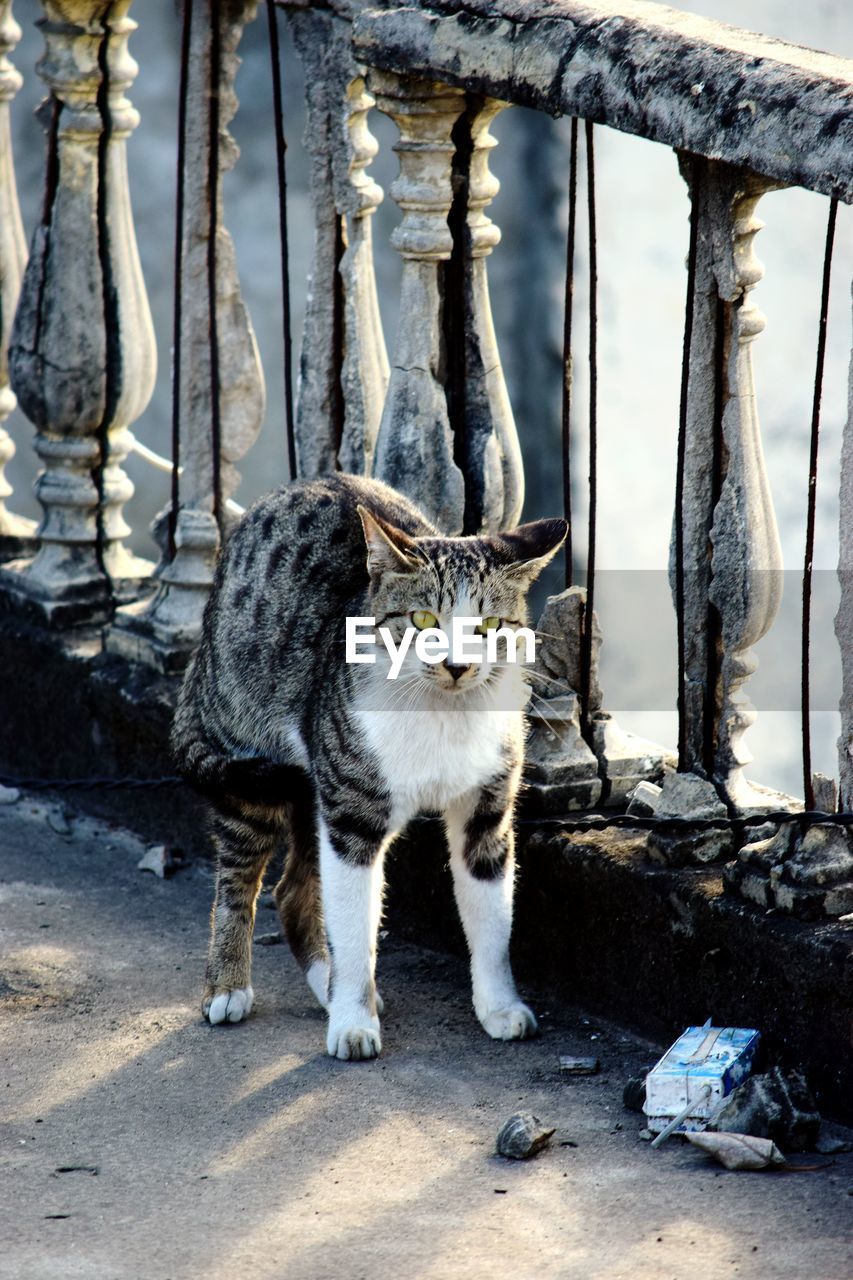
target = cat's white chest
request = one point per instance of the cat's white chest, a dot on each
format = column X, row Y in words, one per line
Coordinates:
column 428, row 758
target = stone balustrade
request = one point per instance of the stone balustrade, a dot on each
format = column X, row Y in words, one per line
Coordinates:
column 436, row 421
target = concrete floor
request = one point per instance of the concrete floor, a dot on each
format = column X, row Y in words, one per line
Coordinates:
column 230, row 1152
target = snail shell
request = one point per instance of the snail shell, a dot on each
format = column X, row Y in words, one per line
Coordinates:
column 522, row 1136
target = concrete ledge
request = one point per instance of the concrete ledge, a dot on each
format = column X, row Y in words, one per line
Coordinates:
column 656, row 948
column 68, row 710
column 675, row 78
column 652, row 947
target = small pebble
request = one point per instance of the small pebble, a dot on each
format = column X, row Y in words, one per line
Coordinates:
column 579, row 1066
column 522, row 1136
column 832, row 1146
column 60, row 823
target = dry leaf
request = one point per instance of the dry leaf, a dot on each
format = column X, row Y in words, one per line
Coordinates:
column 739, row 1150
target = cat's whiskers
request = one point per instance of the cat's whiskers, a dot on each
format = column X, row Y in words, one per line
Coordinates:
column 540, row 675
column 543, row 719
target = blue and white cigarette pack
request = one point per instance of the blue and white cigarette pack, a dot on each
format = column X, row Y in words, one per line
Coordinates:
column 703, row 1065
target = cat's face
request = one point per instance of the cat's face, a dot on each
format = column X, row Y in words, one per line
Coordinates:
column 423, row 583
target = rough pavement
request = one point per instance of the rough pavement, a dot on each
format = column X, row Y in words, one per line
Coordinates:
column 245, row 1151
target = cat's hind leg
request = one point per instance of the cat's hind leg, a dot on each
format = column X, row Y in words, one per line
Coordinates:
column 480, row 836
column 245, row 834
column 298, row 897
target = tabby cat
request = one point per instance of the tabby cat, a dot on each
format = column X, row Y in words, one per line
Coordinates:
column 287, row 739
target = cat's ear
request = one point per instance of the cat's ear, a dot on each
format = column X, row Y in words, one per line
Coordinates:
column 389, row 550
column 532, row 546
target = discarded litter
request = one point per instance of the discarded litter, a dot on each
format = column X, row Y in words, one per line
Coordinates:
column 522, row 1136
column 777, row 1105
column 634, row 1093
column 739, row 1150
column 703, row 1066
column 579, row 1066
column 162, row 861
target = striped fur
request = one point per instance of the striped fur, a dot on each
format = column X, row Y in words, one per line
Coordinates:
column 289, row 742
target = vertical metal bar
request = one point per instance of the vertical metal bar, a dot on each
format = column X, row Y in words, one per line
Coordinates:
column 805, row 700
column 338, row 406
column 213, row 207
column 179, row 267
column 679, row 469
column 113, row 369
column 280, row 152
column 713, row 625
column 567, row 351
column 588, row 620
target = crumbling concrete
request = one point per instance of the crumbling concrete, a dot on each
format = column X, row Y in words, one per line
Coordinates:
column 676, row 78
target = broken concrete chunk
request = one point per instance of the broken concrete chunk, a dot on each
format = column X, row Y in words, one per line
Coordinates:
column 626, row 759
column 777, row 1105
column 825, row 793
column 558, row 653
column 686, row 795
column 769, row 851
column 807, row 875
column 643, row 799
column 561, row 773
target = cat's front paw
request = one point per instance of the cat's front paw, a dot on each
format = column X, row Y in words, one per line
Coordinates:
column 354, row 1039
column 228, row 1006
column 515, row 1022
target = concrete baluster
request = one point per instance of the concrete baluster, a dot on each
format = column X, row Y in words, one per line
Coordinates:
column 415, row 446
column 732, row 554
column 164, row 631
column 480, row 411
column 343, row 374
column 81, row 354
column 16, row 533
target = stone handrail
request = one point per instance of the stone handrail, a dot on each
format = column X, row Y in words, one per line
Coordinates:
column 672, row 77
column 746, row 114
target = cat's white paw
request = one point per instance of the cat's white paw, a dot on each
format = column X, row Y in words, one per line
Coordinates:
column 354, row 1040
column 515, row 1022
column 229, row 1006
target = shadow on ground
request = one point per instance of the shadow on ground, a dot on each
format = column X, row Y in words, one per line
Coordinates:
column 245, row 1150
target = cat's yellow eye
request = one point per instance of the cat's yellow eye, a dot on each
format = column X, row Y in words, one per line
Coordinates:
column 489, row 624
column 423, row 620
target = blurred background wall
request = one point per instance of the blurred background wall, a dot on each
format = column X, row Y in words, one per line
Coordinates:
column 642, row 243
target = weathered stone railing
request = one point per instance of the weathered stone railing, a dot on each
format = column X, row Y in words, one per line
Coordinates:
column 745, row 114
